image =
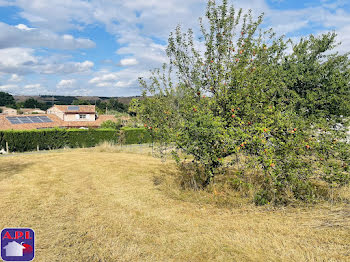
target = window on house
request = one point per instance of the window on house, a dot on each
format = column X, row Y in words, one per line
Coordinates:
column 82, row 116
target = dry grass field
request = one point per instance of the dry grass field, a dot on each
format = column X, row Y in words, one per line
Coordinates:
column 100, row 205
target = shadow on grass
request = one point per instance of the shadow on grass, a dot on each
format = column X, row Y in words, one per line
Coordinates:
column 11, row 169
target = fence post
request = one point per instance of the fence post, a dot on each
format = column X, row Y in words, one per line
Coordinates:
column 7, row 147
column 37, row 147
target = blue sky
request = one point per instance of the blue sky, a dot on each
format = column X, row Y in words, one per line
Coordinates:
column 101, row 47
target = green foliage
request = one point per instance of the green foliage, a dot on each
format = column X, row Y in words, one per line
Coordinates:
column 33, row 103
column 136, row 135
column 245, row 94
column 28, row 140
column 58, row 100
column 6, row 99
column 134, row 106
column 81, row 102
column 111, row 124
column 320, row 79
column 111, row 105
column 89, row 138
column 114, row 104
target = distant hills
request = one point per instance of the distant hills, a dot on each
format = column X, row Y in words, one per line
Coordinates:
column 67, row 100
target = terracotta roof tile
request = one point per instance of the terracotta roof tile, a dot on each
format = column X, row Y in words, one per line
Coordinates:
column 29, row 110
column 56, row 122
column 81, row 108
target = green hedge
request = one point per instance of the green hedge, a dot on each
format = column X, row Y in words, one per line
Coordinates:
column 28, row 140
column 135, row 135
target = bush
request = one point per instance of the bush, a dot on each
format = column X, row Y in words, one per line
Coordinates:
column 111, row 124
column 29, row 140
column 90, row 138
column 20, row 141
column 136, row 135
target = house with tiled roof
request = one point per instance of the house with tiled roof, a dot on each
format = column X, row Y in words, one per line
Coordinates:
column 7, row 111
column 62, row 116
column 28, row 111
column 74, row 113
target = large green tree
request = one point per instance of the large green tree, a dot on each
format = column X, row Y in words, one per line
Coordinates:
column 33, row 103
column 6, row 99
column 238, row 91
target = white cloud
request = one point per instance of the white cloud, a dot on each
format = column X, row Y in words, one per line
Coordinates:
column 125, row 79
column 66, row 84
column 21, row 35
column 123, row 84
column 67, row 67
column 15, row 78
column 56, row 15
column 110, row 77
column 32, row 86
column 15, row 60
column 72, row 87
column 147, row 53
column 22, row 61
column 29, row 89
column 8, row 88
column 16, row 56
column 128, row 62
column 24, row 27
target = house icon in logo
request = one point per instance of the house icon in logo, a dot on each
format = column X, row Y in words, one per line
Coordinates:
column 14, row 249
column 17, row 244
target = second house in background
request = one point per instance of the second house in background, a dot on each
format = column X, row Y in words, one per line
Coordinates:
column 74, row 113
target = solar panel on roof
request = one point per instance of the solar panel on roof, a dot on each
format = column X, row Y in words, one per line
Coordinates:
column 45, row 119
column 73, row 108
column 14, row 122
column 28, row 119
column 12, row 118
column 36, row 121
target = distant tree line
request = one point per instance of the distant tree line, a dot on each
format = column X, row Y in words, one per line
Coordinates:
column 111, row 104
column 102, row 106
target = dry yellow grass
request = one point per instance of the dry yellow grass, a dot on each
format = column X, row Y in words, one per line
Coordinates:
column 104, row 205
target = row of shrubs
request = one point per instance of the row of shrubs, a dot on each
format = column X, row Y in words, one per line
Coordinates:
column 29, row 140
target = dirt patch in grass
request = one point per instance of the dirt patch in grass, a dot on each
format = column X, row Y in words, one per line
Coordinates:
column 9, row 168
column 88, row 205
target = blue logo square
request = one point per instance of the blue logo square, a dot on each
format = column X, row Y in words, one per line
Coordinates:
column 17, row 244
